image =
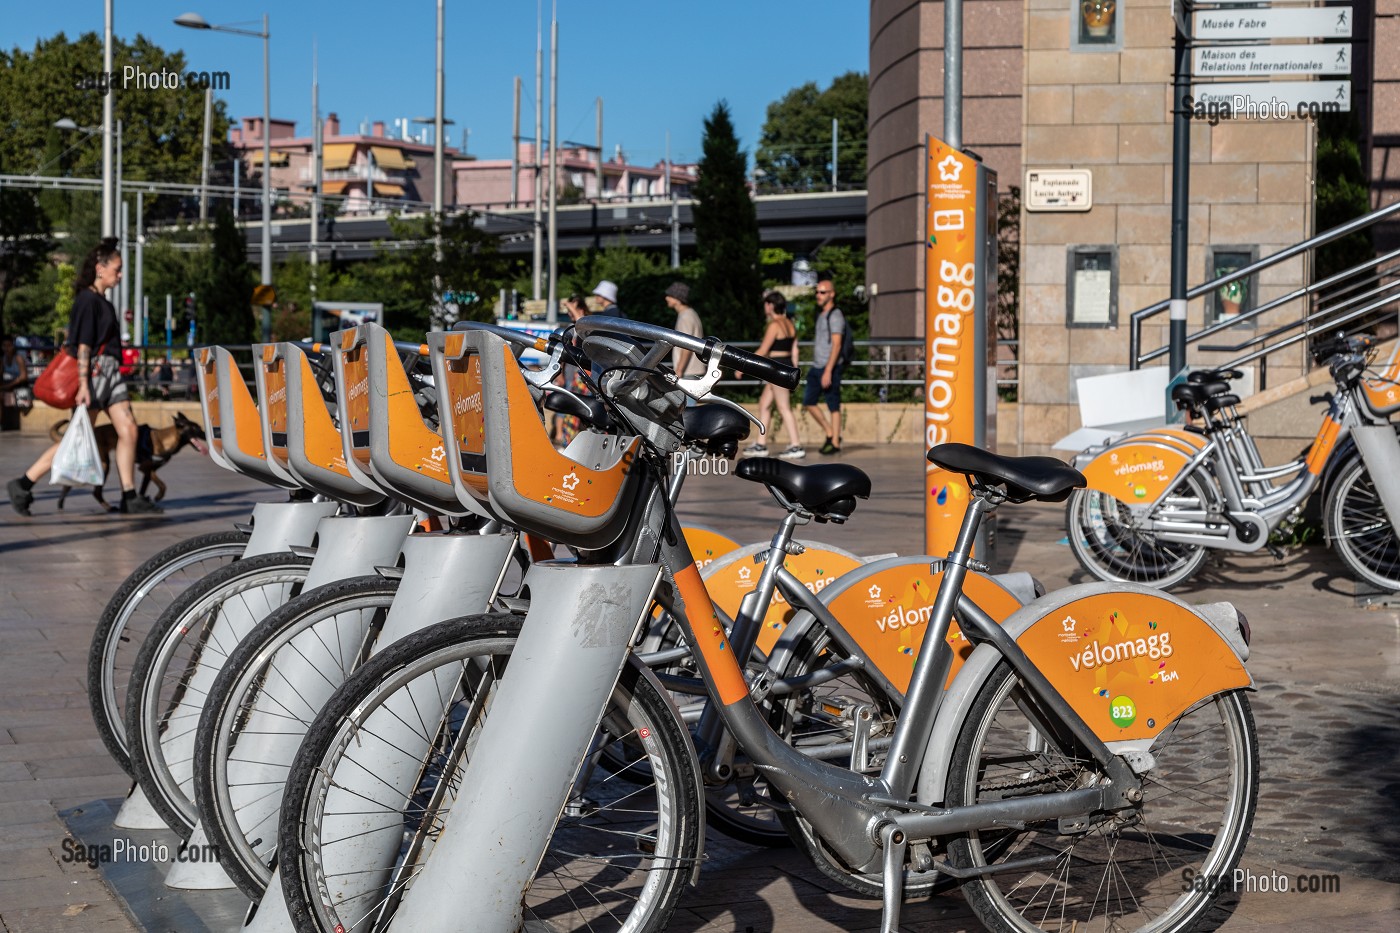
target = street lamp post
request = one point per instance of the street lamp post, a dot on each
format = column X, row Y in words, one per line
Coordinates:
column 195, row 21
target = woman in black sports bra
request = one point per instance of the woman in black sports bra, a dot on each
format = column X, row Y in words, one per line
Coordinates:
column 779, row 343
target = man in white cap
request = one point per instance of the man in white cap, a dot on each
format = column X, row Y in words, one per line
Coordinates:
column 606, row 292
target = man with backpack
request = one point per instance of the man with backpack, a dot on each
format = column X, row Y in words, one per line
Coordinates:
column 832, row 349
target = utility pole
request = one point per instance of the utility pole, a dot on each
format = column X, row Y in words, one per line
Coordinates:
column 109, row 217
column 598, row 166
column 1181, row 197
column 552, row 308
column 138, row 315
column 515, row 149
column 204, row 163
column 539, row 134
column 438, row 319
column 833, row 153
column 315, row 232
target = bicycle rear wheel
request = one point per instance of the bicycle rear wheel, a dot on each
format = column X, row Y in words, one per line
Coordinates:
column 378, row 774
column 261, row 705
column 1359, row 528
column 130, row 615
column 1124, row 870
column 180, row 660
column 1107, row 541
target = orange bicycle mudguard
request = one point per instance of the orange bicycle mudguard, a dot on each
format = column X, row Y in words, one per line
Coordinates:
column 707, row 545
column 1139, row 470
column 733, row 577
column 887, row 614
column 1131, row 661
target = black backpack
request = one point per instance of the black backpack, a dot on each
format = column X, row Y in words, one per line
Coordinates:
column 848, row 344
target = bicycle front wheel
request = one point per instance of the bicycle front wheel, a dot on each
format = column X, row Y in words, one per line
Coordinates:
column 1107, row 541
column 1119, row 871
column 178, row 663
column 378, row 773
column 130, row 615
column 260, row 706
column 1359, row 528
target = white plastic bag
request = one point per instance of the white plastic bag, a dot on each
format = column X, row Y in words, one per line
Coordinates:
column 78, row 461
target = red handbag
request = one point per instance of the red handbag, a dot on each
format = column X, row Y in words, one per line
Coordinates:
column 57, row 385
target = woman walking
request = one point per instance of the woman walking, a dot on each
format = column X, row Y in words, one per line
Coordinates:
column 94, row 339
column 779, row 343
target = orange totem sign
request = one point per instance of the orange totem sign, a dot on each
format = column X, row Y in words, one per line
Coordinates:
column 950, row 333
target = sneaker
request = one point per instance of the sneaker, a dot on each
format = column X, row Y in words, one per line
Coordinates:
column 20, row 498
column 829, row 448
column 756, row 450
column 793, row 453
column 138, row 505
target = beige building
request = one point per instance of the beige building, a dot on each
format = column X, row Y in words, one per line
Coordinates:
column 377, row 170
column 1042, row 93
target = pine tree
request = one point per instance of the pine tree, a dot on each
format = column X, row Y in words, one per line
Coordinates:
column 729, row 290
column 224, row 296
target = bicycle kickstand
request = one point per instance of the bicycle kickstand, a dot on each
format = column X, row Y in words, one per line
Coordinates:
column 896, row 845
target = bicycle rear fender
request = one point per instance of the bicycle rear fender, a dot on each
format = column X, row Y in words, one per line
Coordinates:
column 735, row 575
column 1129, row 659
column 885, row 607
column 1139, row 469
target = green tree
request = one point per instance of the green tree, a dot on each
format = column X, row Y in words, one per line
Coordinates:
column 1341, row 193
column 730, row 284
column 161, row 129
column 25, row 242
column 794, row 152
column 224, row 287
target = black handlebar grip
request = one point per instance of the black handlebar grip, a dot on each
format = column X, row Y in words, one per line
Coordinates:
column 769, row 370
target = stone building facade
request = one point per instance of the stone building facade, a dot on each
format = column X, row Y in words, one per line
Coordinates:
column 1036, row 97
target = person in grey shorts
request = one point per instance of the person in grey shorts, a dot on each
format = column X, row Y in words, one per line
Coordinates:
column 93, row 328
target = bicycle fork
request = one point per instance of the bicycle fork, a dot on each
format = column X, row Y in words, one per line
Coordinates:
column 530, row 747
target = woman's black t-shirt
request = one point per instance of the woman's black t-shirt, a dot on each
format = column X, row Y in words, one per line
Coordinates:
column 94, row 322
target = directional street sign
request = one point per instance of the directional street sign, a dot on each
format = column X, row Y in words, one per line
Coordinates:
column 1333, row 22
column 1274, row 100
column 1236, row 61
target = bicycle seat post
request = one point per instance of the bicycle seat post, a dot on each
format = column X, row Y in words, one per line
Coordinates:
column 935, row 657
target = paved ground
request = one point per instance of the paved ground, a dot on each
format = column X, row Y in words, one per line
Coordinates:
column 1328, row 675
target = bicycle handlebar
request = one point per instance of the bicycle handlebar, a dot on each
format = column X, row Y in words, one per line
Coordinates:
column 779, row 374
column 769, row 370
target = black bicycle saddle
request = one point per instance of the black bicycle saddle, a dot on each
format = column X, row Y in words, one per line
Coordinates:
column 1043, row 478
column 827, row 490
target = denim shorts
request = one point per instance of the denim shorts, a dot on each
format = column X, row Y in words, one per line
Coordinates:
column 815, row 391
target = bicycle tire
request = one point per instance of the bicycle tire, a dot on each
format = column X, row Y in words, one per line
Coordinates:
column 805, row 718
column 1104, row 541
column 738, row 808
column 1359, row 528
column 1138, row 857
column 479, row 647
column 158, row 710
column 238, row 801
column 128, row 618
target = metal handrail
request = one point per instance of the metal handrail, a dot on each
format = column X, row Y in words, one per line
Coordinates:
column 1136, row 357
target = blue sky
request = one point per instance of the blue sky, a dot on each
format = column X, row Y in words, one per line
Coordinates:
column 659, row 65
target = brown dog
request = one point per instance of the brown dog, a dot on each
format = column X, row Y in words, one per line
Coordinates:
column 154, row 448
